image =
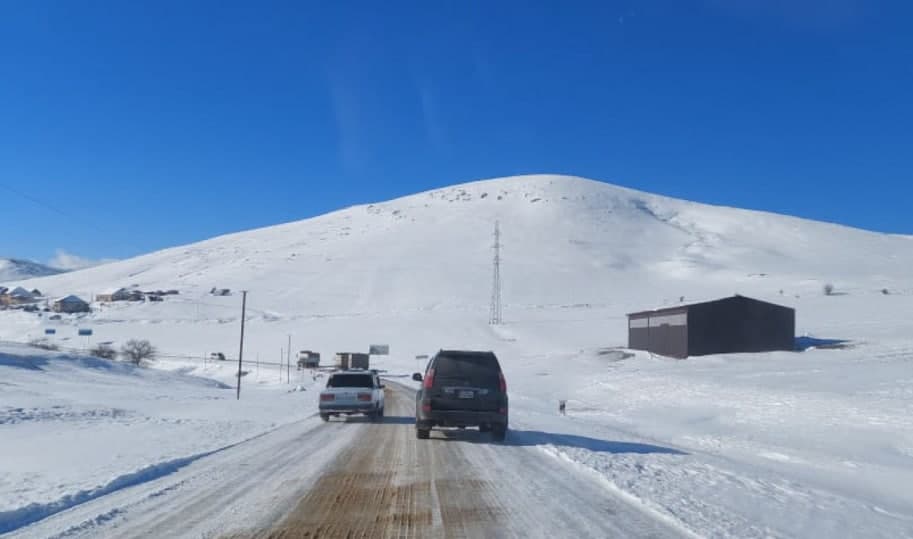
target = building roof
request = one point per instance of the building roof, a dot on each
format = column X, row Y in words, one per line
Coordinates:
column 20, row 292
column 113, row 290
column 70, row 299
column 686, row 306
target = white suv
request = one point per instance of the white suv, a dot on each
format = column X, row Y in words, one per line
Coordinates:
column 352, row 392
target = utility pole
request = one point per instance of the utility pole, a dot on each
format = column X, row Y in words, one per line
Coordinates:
column 241, row 350
column 288, row 361
column 494, row 315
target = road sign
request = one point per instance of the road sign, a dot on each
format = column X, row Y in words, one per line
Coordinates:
column 50, row 331
column 85, row 332
column 379, row 350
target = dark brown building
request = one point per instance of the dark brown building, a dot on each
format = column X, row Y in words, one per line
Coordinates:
column 723, row 326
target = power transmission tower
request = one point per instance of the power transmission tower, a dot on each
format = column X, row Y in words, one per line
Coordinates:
column 494, row 315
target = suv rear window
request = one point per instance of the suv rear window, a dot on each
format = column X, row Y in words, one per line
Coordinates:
column 351, row 380
column 479, row 370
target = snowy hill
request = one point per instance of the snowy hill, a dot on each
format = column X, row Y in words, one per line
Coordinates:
column 572, row 240
column 812, row 444
column 13, row 269
column 569, row 243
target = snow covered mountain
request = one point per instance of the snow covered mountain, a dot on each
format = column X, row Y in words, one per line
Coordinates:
column 568, row 244
column 566, row 240
column 14, row 269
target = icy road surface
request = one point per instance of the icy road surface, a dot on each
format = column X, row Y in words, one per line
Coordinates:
column 383, row 482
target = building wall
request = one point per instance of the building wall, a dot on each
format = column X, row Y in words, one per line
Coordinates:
column 736, row 325
column 59, row 307
column 638, row 333
column 730, row 325
column 664, row 333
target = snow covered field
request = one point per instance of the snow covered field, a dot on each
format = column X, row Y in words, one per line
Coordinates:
column 790, row 444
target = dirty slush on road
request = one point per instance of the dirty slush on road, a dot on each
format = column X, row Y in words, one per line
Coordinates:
column 388, row 484
column 391, row 485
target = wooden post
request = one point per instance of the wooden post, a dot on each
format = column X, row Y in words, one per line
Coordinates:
column 241, row 350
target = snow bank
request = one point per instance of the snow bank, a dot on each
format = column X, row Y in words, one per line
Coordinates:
column 75, row 428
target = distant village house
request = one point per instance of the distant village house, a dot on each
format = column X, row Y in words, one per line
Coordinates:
column 70, row 304
column 17, row 296
column 115, row 294
column 119, row 294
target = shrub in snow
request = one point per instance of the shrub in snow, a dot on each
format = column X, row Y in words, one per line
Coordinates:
column 828, row 289
column 885, row 291
column 137, row 352
column 104, row 352
column 43, row 344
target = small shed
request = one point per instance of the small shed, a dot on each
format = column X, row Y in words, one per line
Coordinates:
column 725, row 326
column 70, row 304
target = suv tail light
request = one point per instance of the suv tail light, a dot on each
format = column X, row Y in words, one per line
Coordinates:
column 364, row 396
column 502, row 382
column 327, row 397
column 428, row 382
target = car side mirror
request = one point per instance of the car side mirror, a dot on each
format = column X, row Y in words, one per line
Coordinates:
column 417, row 377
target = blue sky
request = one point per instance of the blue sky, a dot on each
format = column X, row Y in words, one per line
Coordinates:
column 127, row 127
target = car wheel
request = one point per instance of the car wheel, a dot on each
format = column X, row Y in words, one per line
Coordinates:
column 325, row 417
column 422, row 434
column 381, row 412
column 499, row 432
column 484, row 428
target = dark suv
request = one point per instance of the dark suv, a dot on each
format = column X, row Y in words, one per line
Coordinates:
column 462, row 389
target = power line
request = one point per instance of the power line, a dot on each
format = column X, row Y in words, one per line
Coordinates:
column 51, row 207
column 36, row 201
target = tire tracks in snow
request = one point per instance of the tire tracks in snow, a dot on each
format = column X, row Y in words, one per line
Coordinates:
column 457, row 484
column 358, row 479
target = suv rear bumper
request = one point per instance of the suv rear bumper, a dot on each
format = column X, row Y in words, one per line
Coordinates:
column 459, row 418
column 361, row 408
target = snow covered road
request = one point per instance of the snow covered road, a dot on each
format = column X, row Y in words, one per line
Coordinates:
column 458, row 484
column 358, row 479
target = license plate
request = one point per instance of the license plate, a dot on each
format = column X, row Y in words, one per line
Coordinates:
column 466, row 394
